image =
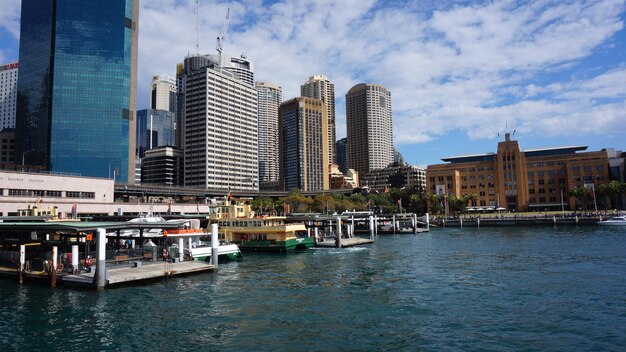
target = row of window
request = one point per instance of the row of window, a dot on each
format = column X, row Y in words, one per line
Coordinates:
column 48, row 193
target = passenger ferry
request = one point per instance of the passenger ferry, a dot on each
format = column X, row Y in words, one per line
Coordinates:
column 268, row 234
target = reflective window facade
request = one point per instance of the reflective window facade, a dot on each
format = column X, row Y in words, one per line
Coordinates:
column 155, row 128
column 74, row 97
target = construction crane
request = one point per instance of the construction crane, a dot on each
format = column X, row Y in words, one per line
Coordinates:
column 221, row 38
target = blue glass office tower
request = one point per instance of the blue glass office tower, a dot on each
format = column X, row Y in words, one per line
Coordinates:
column 77, row 88
column 155, row 128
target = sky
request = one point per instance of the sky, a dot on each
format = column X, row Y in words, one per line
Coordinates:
column 461, row 73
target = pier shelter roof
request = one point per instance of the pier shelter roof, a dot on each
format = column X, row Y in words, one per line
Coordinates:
column 87, row 226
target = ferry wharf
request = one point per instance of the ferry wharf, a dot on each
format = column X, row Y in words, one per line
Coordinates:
column 357, row 228
column 93, row 254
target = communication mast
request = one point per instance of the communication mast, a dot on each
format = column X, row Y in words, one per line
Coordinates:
column 197, row 27
column 221, row 39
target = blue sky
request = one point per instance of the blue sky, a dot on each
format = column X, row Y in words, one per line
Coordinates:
column 460, row 72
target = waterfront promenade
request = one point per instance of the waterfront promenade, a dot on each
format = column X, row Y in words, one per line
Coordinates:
column 522, row 219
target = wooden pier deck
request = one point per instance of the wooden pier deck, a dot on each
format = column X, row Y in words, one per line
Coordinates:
column 146, row 271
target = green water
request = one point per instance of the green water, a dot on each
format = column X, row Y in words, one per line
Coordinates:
column 510, row 289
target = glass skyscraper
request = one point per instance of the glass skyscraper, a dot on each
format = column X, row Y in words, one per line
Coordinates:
column 77, row 88
column 155, row 128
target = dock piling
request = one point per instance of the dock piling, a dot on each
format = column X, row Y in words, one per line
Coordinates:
column 22, row 262
column 338, row 243
column 74, row 259
column 181, row 249
column 53, row 276
column 214, row 245
column 371, row 227
column 101, row 238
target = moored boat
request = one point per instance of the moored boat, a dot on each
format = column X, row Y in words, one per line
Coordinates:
column 269, row 234
column 614, row 221
column 201, row 245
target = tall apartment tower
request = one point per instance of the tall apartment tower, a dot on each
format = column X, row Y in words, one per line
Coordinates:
column 163, row 91
column 369, row 128
column 320, row 87
column 270, row 97
column 220, row 127
column 8, row 94
column 77, row 90
column 303, row 137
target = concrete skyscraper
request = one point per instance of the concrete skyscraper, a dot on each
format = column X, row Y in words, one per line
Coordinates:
column 163, row 91
column 77, row 89
column 8, row 94
column 241, row 67
column 303, row 137
column 320, row 87
column 369, row 128
column 270, row 97
column 220, row 127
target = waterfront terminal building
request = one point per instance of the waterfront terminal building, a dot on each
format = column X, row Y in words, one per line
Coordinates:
column 517, row 180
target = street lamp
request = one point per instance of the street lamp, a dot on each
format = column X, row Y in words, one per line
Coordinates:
column 23, row 157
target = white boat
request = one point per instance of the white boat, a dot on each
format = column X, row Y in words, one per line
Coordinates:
column 147, row 232
column 201, row 250
column 614, row 221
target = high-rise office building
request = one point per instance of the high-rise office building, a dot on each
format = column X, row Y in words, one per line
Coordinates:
column 220, row 127
column 270, row 97
column 155, row 128
column 241, row 67
column 303, row 137
column 163, row 165
column 342, row 154
column 163, row 91
column 77, row 88
column 8, row 94
column 320, row 87
column 369, row 128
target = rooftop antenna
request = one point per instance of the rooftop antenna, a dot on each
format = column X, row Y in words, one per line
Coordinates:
column 221, row 38
column 197, row 27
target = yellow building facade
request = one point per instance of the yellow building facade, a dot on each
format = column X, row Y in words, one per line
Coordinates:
column 517, row 180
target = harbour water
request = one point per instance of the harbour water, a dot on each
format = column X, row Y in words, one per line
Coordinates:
column 486, row 289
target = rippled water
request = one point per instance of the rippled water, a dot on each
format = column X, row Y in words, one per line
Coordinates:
column 531, row 289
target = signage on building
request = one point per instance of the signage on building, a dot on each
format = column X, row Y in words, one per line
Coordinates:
column 10, row 66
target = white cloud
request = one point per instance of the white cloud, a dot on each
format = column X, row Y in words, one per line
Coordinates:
column 451, row 66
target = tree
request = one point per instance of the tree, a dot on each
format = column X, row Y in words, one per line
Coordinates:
column 297, row 202
column 581, row 195
column 324, row 203
column 435, row 202
column 611, row 190
column 263, row 205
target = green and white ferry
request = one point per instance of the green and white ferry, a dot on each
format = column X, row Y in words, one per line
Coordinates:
column 237, row 224
column 265, row 234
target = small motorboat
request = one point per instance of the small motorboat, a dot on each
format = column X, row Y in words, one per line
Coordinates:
column 614, row 221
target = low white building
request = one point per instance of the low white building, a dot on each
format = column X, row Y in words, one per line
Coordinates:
column 90, row 196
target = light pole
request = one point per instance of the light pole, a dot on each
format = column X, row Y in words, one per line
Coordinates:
column 23, row 157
